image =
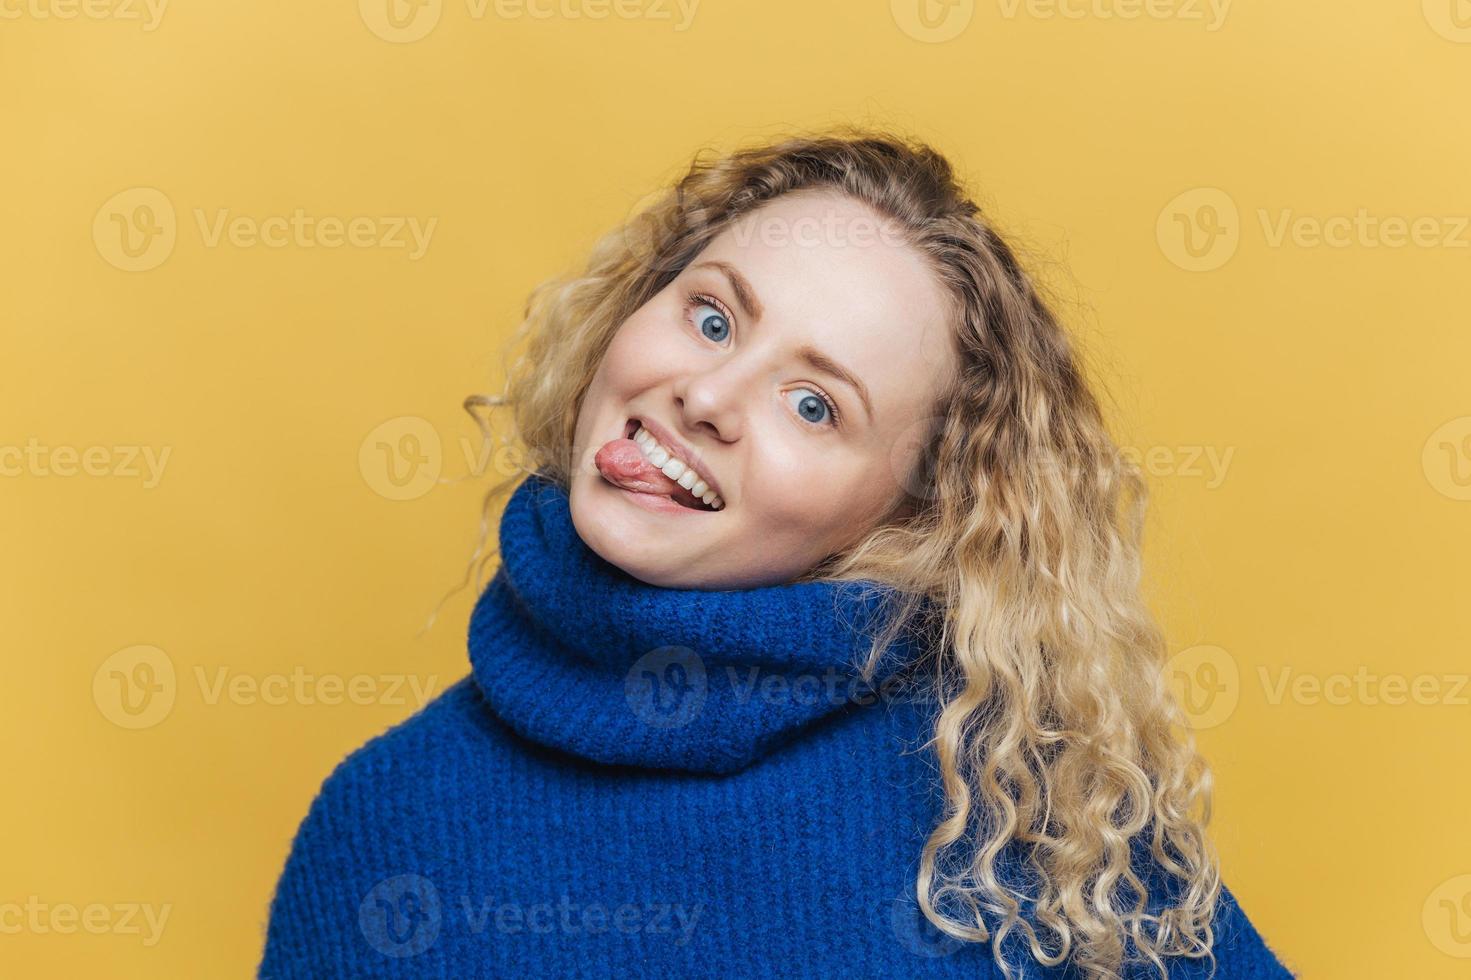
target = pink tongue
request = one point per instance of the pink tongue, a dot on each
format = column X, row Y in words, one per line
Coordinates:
column 624, row 464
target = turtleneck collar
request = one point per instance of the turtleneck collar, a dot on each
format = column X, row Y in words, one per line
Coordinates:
column 576, row 654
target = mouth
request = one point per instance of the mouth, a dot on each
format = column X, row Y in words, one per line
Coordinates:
column 683, row 496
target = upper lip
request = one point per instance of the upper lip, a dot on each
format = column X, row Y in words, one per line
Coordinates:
column 666, row 438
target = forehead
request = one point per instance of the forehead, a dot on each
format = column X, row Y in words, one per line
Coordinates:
column 830, row 272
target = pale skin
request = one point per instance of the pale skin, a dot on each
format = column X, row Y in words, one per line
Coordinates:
column 729, row 383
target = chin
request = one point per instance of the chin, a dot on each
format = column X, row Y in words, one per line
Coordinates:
column 611, row 537
column 636, row 563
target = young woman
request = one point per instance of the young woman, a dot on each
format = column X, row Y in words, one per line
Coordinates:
column 816, row 645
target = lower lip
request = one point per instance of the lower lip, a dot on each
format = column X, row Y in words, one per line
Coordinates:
column 658, row 503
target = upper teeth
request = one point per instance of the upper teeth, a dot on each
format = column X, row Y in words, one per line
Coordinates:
column 675, row 468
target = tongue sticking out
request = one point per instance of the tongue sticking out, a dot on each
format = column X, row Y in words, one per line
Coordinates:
column 624, row 464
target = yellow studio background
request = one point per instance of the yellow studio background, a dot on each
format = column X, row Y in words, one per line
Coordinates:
column 255, row 254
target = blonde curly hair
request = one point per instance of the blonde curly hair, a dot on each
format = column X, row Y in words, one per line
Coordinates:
column 1019, row 545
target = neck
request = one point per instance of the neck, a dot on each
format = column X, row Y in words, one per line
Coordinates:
column 576, row 654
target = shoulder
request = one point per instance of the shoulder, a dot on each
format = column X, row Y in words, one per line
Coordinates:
column 370, row 819
column 406, row 760
column 1241, row 950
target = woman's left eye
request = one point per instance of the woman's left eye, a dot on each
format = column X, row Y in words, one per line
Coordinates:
column 709, row 319
column 814, row 405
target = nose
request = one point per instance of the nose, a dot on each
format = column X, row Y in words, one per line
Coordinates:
column 713, row 401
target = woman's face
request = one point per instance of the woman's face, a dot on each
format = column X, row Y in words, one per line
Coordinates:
column 728, row 376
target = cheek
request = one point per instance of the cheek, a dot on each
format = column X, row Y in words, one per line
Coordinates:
column 805, row 497
column 639, row 355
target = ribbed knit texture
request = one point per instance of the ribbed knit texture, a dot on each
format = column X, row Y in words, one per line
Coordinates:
column 648, row 782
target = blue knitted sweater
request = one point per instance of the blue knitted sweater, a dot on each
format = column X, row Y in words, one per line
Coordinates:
column 648, row 782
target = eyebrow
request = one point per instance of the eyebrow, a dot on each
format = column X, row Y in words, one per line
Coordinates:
column 751, row 307
column 745, row 295
column 822, row 362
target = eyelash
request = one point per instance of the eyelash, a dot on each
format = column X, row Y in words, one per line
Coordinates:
column 694, row 300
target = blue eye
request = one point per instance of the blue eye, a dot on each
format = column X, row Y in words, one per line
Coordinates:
column 815, row 405
column 709, row 319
